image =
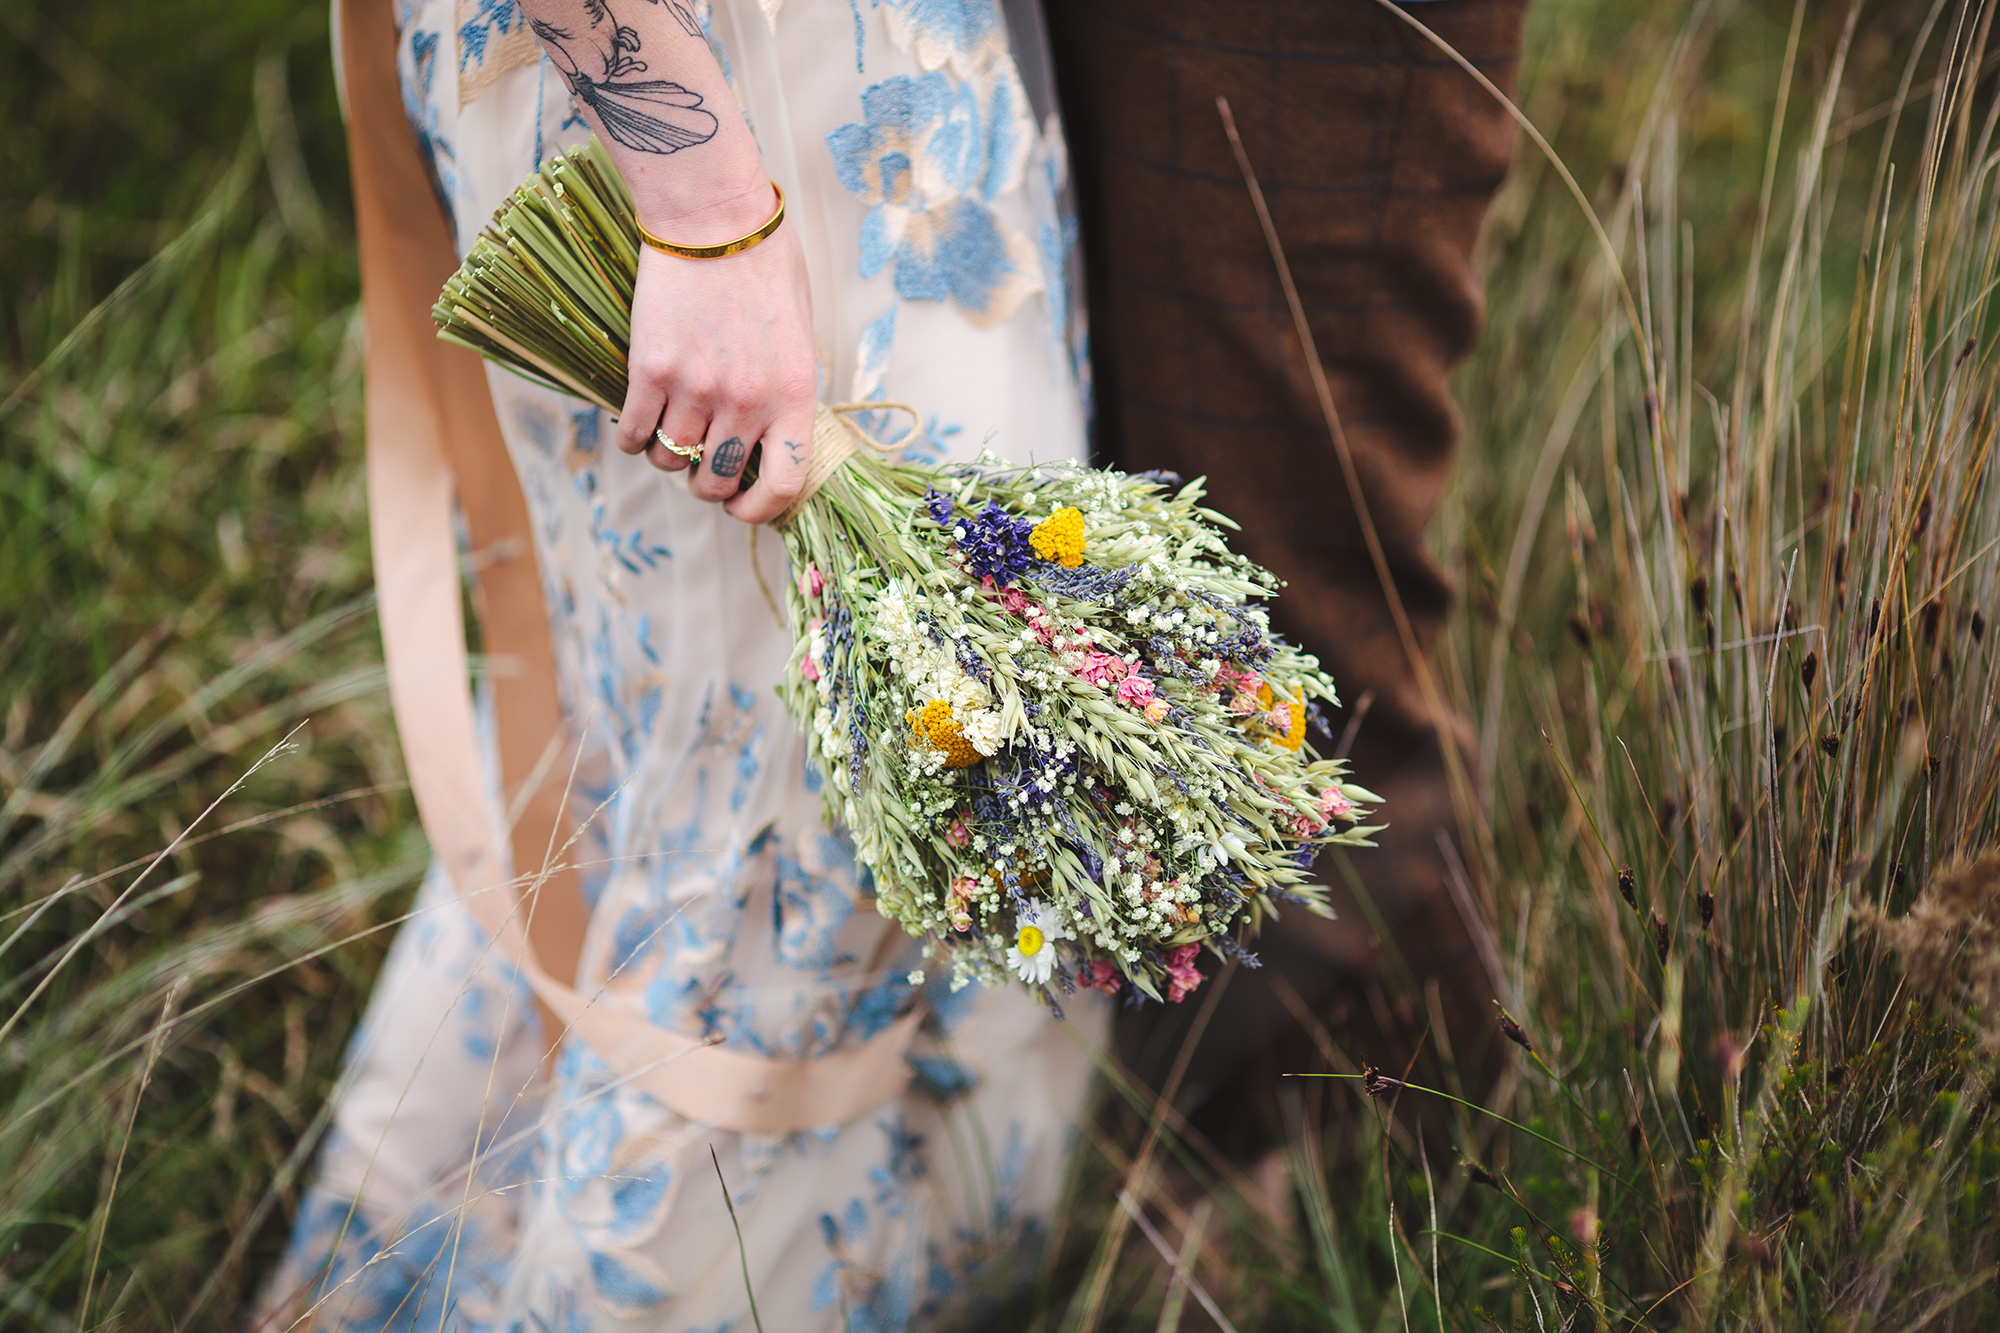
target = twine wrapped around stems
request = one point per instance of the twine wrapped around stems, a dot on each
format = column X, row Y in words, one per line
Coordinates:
column 835, row 440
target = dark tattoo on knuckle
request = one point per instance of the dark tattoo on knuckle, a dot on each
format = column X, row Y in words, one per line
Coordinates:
column 796, row 450
column 726, row 459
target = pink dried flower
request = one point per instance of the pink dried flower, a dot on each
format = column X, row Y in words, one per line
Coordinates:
column 1012, row 600
column 1157, row 710
column 1099, row 975
column 811, row 582
column 959, row 833
column 1182, row 975
column 1333, row 803
column 1102, row 669
column 809, row 667
column 1136, row 691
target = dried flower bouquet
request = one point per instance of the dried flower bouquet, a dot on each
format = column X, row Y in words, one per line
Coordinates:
column 1045, row 700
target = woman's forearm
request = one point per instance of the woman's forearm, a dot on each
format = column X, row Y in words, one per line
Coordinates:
column 646, row 80
column 722, row 358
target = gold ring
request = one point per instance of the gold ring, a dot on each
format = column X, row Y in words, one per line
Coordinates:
column 666, row 442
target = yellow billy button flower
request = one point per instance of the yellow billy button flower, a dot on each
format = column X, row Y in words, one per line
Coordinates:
column 1295, row 734
column 1060, row 537
column 1286, row 719
column 935, row 726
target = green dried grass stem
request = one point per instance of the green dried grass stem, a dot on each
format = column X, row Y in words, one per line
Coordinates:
column 547, row 287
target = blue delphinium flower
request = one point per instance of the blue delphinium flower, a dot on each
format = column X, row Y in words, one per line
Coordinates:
column 938, row 505
column 996, row 545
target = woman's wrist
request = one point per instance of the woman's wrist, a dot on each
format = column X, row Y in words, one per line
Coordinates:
column 706, row 212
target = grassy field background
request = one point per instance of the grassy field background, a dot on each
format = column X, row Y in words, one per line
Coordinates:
column 1727, row 537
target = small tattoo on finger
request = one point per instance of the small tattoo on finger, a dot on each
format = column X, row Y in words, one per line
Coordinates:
column 796, row 450
column 726, row 459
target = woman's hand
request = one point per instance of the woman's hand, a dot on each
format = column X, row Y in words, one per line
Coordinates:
column 722, row 356
column 722, row 349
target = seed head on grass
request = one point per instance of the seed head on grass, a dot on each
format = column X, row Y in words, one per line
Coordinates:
column 1512, row 1030
column 1376, row 1083
column 1949, row 942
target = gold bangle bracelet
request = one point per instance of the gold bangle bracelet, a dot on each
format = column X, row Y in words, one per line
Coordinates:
column 727, row 247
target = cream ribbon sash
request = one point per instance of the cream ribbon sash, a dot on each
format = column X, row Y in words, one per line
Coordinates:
column 433, row 436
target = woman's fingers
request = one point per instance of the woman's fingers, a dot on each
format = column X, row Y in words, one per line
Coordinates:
column 720, row 350
column 645, row 397
column 685, row 422
column 723, row 458
column 781, row 473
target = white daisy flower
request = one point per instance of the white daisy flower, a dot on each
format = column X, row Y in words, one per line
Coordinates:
column 1033, row 953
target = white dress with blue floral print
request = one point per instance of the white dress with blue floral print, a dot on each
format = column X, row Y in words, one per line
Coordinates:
column 456, row 1191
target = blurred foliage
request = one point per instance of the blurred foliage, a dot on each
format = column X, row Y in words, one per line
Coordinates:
column 118, row 120
column 183, row 580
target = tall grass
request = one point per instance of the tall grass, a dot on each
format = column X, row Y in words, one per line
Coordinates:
column 1773, row 701
column 1729, row 547
column 183, row 581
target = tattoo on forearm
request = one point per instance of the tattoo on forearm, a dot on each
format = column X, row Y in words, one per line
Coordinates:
column 647, row 115
column 726, row 459
column 683, row 16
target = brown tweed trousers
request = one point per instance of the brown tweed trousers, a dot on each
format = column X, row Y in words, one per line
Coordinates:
column 1378, row 156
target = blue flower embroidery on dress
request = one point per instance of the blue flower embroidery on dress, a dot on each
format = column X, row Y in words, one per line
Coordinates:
column 489, row 17
column 871, row 1300
column 590, row 1134
column 807, row 911
column 940, row 1077
column 589, row 423
column 610, row 1196
column 871, row 358
column 931, row 159
column 904, row 1167
column 422, row 113
column 622, row 1287
column 876, row 1008
column 637, row 936
column 967, row 35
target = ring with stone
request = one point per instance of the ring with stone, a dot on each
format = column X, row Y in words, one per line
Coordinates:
column 666, row 442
